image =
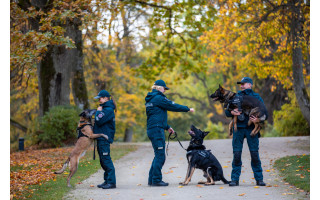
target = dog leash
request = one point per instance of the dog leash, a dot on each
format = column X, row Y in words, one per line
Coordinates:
column 172, row 136
column 94, row 149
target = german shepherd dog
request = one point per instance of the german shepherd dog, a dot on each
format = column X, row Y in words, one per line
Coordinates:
column 250, row 105
column 200, row 158
column 85, row 139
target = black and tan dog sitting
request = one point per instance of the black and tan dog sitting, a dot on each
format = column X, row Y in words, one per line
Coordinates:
column 85, row 139
column 200, row 158
column 249, row 105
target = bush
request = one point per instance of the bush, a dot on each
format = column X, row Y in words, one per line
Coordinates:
column 58, row 126
column 289, row 120
column 216, row 131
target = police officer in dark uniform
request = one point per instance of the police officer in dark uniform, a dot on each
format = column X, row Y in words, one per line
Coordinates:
column 243, row 131
column 105, row 124
column 157, row 106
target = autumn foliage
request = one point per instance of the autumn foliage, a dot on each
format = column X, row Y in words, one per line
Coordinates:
column 34, row 167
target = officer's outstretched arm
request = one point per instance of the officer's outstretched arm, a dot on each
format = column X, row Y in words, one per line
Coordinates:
column 172, row 106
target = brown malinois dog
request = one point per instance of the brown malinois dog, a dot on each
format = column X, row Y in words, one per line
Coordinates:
column 85, row 139
column 250, row 105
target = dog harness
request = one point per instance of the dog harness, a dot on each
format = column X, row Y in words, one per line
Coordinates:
column 80, row 134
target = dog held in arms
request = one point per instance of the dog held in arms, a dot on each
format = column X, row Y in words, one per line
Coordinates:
column 200, row 158
column 85, row 139
column 250, row 105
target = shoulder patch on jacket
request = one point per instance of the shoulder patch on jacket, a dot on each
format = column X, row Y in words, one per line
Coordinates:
column 99, row 116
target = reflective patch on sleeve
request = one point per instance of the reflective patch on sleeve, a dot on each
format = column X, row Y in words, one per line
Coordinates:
column 160, row 147
column 149, row 104
column 101, row 115
column 105, row 153
column 173, row 102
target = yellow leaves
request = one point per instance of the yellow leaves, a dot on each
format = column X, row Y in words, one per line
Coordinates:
column 200, row 186
column 221, row 187
column 242, row 194
column 225, row 166
column 256, row 187
column 180, row 186
column 163, row 194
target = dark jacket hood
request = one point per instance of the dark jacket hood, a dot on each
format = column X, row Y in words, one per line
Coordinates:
column 108, row 104
column 152, row 94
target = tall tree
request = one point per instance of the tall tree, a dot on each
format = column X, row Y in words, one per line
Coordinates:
column 56, row 47
column 266, row 38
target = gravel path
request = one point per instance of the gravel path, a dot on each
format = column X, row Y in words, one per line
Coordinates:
column 132, row 174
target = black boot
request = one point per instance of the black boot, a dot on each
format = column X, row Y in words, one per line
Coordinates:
column 161, row 183
column 108, row 186
column 261, row 183
column 102, row 184
column 234, row 183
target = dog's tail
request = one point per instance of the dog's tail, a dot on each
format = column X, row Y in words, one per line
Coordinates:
column 65, row 165
column 224, row 180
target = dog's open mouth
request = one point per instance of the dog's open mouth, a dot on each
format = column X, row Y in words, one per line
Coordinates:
column 191, row 132
column 215, row 98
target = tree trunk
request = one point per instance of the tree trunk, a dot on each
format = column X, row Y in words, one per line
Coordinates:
column 128, row 134
column 79, row 89
column 297, row 63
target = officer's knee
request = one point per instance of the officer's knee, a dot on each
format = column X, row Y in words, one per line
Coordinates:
column 255, row 157
column 237, row 158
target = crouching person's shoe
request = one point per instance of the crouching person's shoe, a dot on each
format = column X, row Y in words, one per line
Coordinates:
column 261, row 183
column 102, row 184
column 234, row 183
column 161, row 183
column 109, row 186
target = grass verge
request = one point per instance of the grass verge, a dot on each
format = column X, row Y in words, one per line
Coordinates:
column 295, row 170
column 56, row 187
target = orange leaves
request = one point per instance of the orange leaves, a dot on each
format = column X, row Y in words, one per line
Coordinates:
column 34, row 167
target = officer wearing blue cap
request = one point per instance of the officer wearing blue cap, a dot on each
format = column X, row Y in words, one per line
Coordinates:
column 105, row 123
column 157, row 105
column 243, row 131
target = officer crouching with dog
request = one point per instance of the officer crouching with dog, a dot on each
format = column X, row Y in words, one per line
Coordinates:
column 243, row 131
column 105, row 124
column 157, row 106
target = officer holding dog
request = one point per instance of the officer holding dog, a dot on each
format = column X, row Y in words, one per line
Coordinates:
column 105, row 124
column 157, row 106
column 243, row 131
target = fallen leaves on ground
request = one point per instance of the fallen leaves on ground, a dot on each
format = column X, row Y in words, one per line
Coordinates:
column 200, row 186
column 34, row 167
column 164, row 194
column 242, row 194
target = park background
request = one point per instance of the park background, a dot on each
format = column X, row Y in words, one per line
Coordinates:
column 62, row 53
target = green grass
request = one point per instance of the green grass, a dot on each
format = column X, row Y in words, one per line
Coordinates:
column 58, row 188
column 295, row 170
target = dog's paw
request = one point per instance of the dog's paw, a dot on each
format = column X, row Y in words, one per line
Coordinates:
column 252, row 134
column 182, row 183
column 202, row 182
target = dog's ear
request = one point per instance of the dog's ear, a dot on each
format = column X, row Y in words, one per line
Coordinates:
column 221, row 88
column 205, row 133
column 82, row 114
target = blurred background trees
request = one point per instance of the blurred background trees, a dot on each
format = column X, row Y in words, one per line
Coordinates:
column 64, row 52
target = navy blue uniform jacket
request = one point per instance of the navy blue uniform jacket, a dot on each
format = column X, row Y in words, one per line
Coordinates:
column 157, row 105
column 244, row 123
column 105, row 121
